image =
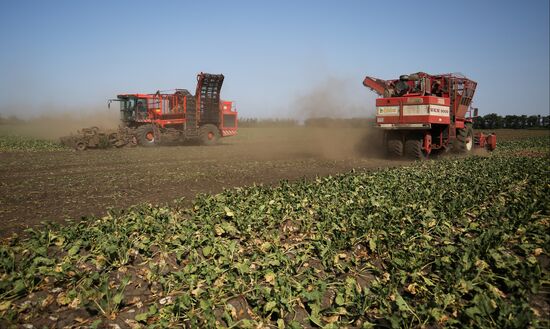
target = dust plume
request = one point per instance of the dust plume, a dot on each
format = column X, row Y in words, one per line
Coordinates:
column 333, row 98
column 56, row 124
column 339, row 113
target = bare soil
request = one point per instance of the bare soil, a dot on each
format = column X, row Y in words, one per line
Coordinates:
column 60, row 185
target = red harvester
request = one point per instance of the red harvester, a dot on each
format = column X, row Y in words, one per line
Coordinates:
column 180, row 115
column 146, row 119
column 422, row 114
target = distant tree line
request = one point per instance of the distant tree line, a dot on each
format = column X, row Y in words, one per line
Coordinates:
column 489, row 121
column 339, row 122
column 12, row 119
column 265, row 123
column 310, row 122
column 495, row 121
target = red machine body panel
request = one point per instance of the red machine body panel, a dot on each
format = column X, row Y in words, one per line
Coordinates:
column 453, row 90
column 412, row 109
column 228, row 119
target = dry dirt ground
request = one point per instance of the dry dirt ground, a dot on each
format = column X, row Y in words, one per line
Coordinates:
column 58, row 185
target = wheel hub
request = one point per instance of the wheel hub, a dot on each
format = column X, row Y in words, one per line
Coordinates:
column 469, row 143
column 427, row 145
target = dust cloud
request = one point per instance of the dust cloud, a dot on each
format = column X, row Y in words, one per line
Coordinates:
column 335, row 115
column 333, row 98
column 337, row 123
column 339, row 116
column 55, row 124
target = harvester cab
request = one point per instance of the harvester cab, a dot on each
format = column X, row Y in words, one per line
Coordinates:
column 423, row 114
column 132, row 109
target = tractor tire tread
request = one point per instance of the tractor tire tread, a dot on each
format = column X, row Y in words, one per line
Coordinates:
column 204, row 134
column 395, row 147
column 413, row 148
column 141, row 135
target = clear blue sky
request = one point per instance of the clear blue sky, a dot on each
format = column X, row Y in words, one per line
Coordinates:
column 276, row 55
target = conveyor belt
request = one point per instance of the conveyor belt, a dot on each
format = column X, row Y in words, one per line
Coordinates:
column 208, row 97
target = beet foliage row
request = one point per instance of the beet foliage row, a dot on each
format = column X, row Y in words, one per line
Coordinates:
column 456, row 242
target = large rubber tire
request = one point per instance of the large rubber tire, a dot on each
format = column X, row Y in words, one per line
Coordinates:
column 209, row 134
column 465, row 139
column 146, row 136
column 395, row 146
column 80, row 146
column 413, row 148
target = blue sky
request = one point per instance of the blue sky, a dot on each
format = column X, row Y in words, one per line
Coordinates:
column 276, row 55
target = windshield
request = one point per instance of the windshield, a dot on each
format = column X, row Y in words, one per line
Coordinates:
column 127, row 103
column 132, row 108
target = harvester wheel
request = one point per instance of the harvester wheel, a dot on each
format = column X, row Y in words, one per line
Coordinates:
column 80, row 146
column 146, row 135
column 209, row 134
column 413, row 148
column 395, row 146
column 113, row 138
column 465, row 138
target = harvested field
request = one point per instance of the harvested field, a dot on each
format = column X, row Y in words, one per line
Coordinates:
column 59, row 184
column 56, row 184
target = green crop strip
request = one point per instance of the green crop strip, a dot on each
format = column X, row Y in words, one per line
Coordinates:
column 18, row 143
column 453, row 243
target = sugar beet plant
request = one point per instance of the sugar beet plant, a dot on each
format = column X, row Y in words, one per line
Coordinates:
column 19, row 143
column 450, row 243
